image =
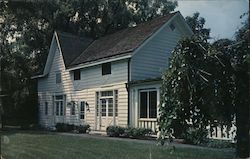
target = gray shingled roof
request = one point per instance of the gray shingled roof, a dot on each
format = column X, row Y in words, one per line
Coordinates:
column 72, row 46
column 122, row 42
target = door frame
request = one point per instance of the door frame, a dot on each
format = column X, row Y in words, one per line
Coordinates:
column 59, row 117
column 98, row 110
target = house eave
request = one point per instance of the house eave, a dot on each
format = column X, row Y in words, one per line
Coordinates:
column 39, row 76
column 100, row 61
column 158, row 79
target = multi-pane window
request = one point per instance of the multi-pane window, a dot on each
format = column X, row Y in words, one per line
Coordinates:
column 58, row 78
column 73, row 109
column 46, row 108
column 103, row 107
column 82, row 110
column 148, row 104
column 116, row 102
column 97, row 103
column 106, row 93
column 106, row 68
column 108, row 101
column 77, row 74
column 59, row 105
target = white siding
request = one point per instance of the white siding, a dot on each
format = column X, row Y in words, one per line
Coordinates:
column 135, row 103
column 83, row 90
column 151, row 60
column 92, row 76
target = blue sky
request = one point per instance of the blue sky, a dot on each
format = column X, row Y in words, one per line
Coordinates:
column 222, row 16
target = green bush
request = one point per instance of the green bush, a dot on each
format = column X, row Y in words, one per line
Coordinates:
column 63, row 127
column 115, row 131
column 196, row 136
column 83, row 128
column 137, row 132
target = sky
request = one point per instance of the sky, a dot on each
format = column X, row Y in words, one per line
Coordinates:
column 222, row 16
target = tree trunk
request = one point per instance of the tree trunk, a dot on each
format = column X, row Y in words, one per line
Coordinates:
column 242, row 115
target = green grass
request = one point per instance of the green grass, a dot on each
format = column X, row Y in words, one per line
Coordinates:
column 31, row 145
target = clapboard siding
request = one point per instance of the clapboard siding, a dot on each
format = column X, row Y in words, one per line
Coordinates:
column 83, row 90
column 92, row 76
column 87, row 95
column 151, row 60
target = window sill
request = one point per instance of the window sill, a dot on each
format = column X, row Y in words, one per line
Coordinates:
column 147, row 119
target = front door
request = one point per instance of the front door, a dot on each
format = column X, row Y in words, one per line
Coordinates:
column 106, row 109
column 106, row 113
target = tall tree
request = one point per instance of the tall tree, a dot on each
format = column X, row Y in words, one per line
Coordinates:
column 237, row 53
column 197, row 24
column 197, row 89
column 26, row 29
column 241, row 65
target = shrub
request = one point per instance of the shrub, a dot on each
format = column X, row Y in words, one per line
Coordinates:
column 137, row 132
column 196, row 136
column 63, row 127
column 115, row 131
column 83, row 128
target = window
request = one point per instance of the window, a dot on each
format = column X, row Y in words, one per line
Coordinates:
column 108, row 101
column 58, row 78
column 46, row 108
column 106, row 68
column 106, row 93
column 73, row 109
column 172, row 27
column 148, row 104
column 59, row 105
column 82, row 110
column 116, row 102
column 77, row 74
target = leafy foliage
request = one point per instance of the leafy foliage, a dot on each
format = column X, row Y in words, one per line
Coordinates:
column 193, row 89
column 64, row 127
column 197, row 23
column 208, row 83
column 26, row 30
column 137, row 132
column 196, row 136
column 83, row 128
column 117, row 131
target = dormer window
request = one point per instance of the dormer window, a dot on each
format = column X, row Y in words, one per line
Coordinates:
column 77, row 74
column 106, row 68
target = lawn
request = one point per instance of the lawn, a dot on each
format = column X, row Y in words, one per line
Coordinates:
column 34, row 145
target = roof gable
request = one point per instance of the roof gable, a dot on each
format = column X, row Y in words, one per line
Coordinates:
column 72, row 46
column 122, row 42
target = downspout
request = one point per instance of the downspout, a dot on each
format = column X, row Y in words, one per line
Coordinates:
column 128, row 90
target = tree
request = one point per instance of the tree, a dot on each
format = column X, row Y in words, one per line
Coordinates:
column 237, row 52
column 207, row 82
column 197, row 86
column 196, row 90
column 197, row 24
column 241, row 65
column 26, row 30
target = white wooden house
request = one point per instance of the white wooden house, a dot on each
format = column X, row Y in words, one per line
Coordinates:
column 114, row 80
